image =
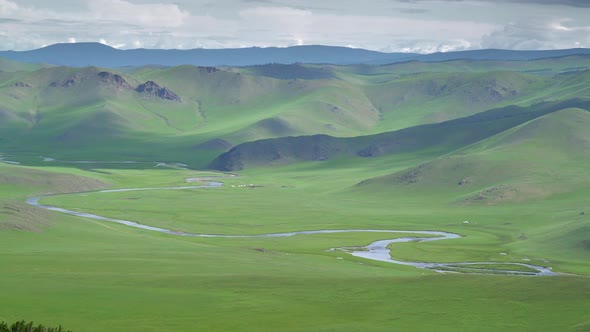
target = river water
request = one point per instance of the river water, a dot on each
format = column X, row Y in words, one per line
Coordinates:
column 377, row 251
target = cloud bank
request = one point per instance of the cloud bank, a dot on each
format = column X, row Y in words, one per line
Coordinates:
column 387, row 25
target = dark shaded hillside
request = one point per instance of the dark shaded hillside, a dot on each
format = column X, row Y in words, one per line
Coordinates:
column 497, row 54
column 546, row 66
column 491, row 54
column 436, row 138
column 290, row 72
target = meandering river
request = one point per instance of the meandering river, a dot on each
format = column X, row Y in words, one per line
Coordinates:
column 378, row 250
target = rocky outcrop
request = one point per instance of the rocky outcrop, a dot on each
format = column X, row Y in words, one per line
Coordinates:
column 114, row 80
column 152, row 88
column 410, row 177
column 21, row 85
column 65, row 84
column 493, row 192
column 72, row 81
column 209, row 70
column 69, row 83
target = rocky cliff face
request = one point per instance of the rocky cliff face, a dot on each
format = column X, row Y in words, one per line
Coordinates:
column 152, row 88
column 114, row 80
column 74, row 80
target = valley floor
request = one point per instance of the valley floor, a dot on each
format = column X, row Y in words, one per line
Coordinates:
column 90, row 275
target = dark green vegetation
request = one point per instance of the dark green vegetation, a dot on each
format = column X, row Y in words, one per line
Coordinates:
column 498, row 152
column 22, row 326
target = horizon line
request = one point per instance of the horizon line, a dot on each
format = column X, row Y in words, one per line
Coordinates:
column 290, row 46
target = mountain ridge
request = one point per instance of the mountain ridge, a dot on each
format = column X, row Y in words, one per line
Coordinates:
column 96, row 54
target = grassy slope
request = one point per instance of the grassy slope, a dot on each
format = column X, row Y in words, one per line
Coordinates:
column 257, row 106
column 436, row 97
column 249, row 99
column 7, row 65
column 62, row 121
column 538, row 169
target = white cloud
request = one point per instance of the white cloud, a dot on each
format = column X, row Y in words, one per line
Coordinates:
column 537, row 35
column 293, row 25
column 7, row 7
column 562, row 25
column 433, row 46
column 146, row 15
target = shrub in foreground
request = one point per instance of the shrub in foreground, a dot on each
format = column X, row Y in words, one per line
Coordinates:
column 23, row 326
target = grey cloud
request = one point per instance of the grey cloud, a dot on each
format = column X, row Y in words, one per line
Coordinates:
column 303, row 6
column 258, row 1
column 56, row 23
column 536, row 35
column 10, row 20
column 219, row 38
column 412, row 10
column 392, row 25
column 573, row 3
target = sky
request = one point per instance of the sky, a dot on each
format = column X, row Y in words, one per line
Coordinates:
column 422, row 26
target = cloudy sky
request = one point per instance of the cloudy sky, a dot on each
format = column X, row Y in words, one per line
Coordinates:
column 385, row 25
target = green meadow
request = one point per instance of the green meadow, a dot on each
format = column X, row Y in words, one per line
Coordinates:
column 497, row 155
column 79, row 272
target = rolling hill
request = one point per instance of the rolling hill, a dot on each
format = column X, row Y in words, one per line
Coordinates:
column 492, row 171
column 435, row 139
column 193, row 114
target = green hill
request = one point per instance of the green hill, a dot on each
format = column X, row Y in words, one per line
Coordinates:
column 435, row 139
column 545, row 67
column 7, row 65
column 542, row 157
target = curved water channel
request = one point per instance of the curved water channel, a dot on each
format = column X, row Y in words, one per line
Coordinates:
column 377, row 250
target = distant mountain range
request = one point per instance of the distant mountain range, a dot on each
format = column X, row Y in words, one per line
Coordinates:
column 95, row 54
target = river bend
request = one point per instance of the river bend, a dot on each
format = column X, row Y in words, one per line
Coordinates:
column 377, row 251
